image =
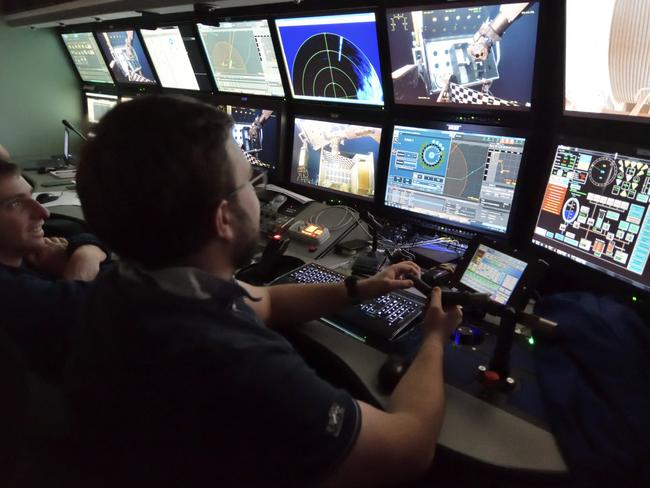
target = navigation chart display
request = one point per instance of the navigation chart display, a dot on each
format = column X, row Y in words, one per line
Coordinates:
column 595, row 211
column 242, row 58
column 463, row 177
column 483, row 54
column 333, row 58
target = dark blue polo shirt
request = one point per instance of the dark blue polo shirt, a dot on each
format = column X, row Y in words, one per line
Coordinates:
column 174, row 380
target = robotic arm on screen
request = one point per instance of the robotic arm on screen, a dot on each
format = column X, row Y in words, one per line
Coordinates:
column 492, row 31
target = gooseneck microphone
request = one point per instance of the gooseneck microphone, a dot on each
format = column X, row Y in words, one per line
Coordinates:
column 69, row 126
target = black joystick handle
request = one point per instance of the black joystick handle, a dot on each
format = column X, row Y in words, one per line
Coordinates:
column 450, row 298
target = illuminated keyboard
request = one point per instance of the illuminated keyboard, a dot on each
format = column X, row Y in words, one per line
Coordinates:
column 386, row 316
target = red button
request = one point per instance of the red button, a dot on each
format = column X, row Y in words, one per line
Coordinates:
column 491, row 378
column 312, row 248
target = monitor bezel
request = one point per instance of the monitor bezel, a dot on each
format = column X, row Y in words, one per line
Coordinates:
column 148, row 53
column 208, row 65
column 572, row 114
column 90, row 95
column 467, row 108
column 443, row 125
column 335, row 104
column 520, row 294
column 98, row 84
column 557, row 260
column 156, row 86
column 327, row 194
column 263, row 103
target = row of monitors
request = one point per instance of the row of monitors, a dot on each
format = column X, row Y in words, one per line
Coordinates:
column 595, row 209
column 434, row 55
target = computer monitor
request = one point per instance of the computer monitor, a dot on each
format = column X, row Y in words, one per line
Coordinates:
column 333, row 58
column 126, row 57
column 481, row 55
column 98, row 105
column 463, row 174
column 242, row 58
column 608, row 74
column 595, row 212
column 170, row 58
column 335, row 156
column 492, row 271
column 256, row 132
column 87, row 57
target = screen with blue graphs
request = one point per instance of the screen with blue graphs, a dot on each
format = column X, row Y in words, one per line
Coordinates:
column 334, row 58
column 595, row 212
column 462, row 176
column 478, row 55
column 335, row 156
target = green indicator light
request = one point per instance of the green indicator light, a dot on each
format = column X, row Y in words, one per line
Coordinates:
column 634, row 299
column 531, row 340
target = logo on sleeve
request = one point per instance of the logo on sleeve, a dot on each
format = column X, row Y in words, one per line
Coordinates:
column 335, row 419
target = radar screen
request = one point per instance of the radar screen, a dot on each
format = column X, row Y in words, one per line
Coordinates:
column 458, row 175
column 595, row 212
column 478, row 55
column 335, row 156
column 333, row 58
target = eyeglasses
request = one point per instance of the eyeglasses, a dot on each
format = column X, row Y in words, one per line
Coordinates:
column 260, row 179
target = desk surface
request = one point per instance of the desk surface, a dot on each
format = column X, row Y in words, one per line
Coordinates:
column 472, row 427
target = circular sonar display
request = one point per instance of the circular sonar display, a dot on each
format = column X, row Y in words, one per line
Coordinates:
column 329, row 65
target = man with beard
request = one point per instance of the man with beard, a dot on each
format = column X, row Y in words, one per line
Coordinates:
column 179, row 376
column 43, row 281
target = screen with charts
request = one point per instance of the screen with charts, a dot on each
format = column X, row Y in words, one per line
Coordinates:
column 479, row 55
column 462, row 174
column 242, row 58
column 87, row 57
column 98, row 105
column 333, row 58
column 170, row 58
column 335, row 156
column 491, row 271
column 595, row 211
column 608, row 75
column 256, row 132
column 126, row 57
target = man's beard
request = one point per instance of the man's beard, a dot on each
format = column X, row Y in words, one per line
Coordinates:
column 246, row 243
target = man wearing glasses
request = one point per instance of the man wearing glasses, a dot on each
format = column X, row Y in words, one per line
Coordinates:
column 179, row 376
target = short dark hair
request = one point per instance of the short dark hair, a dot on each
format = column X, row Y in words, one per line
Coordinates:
column 149, row 180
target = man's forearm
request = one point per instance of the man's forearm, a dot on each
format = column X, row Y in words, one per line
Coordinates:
column 297, row 303
column 420, row 393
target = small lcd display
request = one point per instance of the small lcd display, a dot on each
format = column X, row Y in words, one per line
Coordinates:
column 491, row 271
